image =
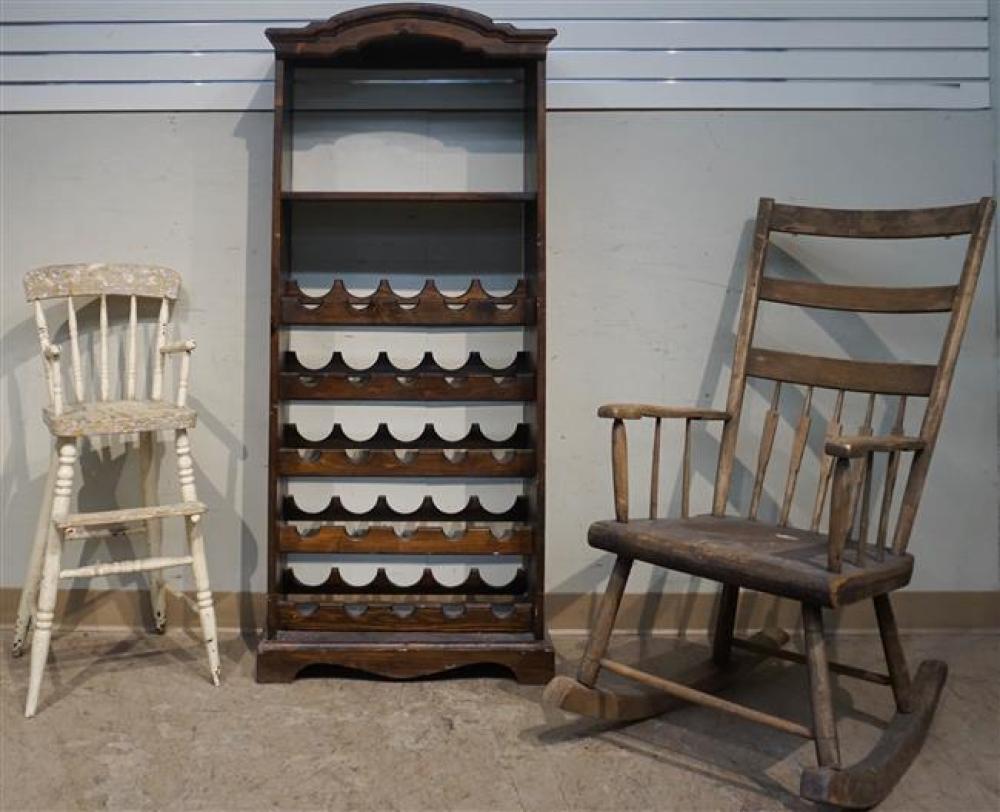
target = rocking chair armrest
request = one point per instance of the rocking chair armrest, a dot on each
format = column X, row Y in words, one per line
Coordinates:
column 636, row 411
column 619, row 413
column 849, row 447
column 178, row 346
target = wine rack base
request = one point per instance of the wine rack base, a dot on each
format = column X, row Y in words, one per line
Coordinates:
column 404, row 656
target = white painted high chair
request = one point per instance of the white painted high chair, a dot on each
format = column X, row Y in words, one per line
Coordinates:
column 132, row 414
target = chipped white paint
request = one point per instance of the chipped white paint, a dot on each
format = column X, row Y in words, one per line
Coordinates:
column 184, row 349
column 30, row 591
column 118, row 417
column 150, row 455
column 122, row 567
column 50, row 359
column 62, row 493
column 196, row 542
column 94, row 279
column 136, row 414
column 133, row 337
column 105, row 372
column 103, row 518
column 161, row 340
column 74, row 347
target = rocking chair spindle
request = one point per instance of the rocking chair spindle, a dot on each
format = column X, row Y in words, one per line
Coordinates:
column 808, row 566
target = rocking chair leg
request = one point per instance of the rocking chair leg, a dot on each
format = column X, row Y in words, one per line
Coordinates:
column 895, row 659
column 597, row 645
column 722, row 642
column 820, row 688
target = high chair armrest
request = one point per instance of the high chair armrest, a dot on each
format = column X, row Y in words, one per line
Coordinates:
column 179, row 346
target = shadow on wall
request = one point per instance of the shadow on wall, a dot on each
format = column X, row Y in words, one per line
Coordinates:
column 257, row 311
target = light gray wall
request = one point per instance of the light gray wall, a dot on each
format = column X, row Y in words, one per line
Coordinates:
column 649, row 214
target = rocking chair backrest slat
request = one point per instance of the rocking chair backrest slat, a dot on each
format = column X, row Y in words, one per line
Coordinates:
column 875, row 224
column 103, row 283
column 858, row 298
column 836, row 373
column 872, row 378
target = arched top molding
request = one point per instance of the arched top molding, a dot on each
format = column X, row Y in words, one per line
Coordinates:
column 352, row 30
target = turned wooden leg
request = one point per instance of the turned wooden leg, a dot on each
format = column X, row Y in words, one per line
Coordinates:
column 49, row 586
column 722, row 642
column 597, row 644
column 29, row 591
column 196, row 541
column 895, row 659
column 820, row 688
column 149, row 471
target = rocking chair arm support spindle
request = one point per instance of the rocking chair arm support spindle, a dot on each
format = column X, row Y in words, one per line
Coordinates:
column 619, row 413
column 184, row 348
column 848, row 447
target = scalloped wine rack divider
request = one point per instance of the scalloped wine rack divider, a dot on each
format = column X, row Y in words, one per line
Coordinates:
column 427, row 455
column 385, row 540
column 428, row 308
column 428, row 380
column 381, row 589
column 323, row 223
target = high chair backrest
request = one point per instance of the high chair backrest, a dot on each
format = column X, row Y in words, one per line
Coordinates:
column 81, row 284
column 844, row 376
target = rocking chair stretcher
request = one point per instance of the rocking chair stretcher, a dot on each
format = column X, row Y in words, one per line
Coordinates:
column 818, row 569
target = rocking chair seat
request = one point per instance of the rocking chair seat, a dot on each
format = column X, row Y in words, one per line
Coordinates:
column 778, row 560
column 118, row 417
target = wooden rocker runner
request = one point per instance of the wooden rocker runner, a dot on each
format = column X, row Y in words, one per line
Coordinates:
column 111, row 411
column 854, row 559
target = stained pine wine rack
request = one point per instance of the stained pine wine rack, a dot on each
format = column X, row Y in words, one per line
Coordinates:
column 408, row 255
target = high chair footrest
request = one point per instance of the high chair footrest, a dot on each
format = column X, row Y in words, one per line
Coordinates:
column 128, row 515
column 119, row 567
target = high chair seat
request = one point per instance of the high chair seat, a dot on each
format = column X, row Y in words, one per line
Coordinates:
column 118, row 417
column 782, row 561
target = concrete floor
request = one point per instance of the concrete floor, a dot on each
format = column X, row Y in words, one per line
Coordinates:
column 129, row 721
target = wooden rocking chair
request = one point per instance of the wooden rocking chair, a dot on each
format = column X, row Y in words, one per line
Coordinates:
column 808, row 566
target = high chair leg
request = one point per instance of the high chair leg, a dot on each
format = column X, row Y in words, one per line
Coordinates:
column 149, row 466
column 29, row 590
column 48, row 590
column 196, row 542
